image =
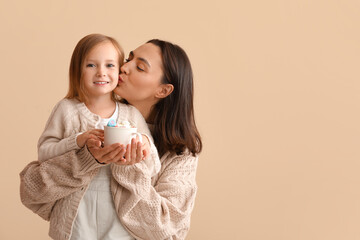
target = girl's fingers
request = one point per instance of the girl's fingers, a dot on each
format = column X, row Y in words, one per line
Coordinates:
column 97, row 132
column 93, row 143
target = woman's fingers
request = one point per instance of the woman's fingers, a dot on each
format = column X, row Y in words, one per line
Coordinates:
column 105, row 154
column 117, row 153
column 139, row 155
column 133, row 150
column 128, row 154
column 110, row 156
column 145, row 153
column 119, row 159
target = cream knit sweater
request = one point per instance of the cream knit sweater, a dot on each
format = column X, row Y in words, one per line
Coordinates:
column 71, row 117
column 157, row 207
column 149, row 208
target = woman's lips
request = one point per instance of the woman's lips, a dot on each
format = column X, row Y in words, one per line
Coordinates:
column 120, row 80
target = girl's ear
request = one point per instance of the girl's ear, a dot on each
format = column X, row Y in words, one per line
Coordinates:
column 164, row 90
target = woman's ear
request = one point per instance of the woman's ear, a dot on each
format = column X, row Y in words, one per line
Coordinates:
column 164, row 90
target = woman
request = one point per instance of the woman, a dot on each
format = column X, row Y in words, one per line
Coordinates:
column 157, row 80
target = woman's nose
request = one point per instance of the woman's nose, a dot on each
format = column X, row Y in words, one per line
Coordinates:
column 124, row 68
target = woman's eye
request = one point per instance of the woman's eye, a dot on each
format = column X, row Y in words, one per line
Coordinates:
column 90, row 65
column 140, row 69
column 110, row 65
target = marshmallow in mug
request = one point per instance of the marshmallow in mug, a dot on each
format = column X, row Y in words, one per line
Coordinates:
column 123, row 123
column 122, row 133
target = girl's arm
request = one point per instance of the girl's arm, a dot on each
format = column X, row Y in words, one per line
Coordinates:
column 57, row 138
column 44, row 182
column 161, row 211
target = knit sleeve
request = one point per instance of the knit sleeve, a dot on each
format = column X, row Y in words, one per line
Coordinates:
column 42, row 183
column 152, row 161
column 162, row 210
column 58, row 136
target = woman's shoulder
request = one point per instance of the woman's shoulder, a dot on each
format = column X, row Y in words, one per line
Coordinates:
column 178, row 167
column 185, row 159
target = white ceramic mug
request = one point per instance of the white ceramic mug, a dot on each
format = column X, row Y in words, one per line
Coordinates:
column 121, row 135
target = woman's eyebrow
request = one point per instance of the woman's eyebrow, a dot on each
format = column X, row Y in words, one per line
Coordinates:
column 131, row 54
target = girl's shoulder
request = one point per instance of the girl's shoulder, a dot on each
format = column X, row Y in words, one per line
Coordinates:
column 67, row 103
column 66, row 107
column 129, row 112
column 127, row 107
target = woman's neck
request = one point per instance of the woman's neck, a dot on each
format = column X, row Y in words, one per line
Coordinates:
column 103, row 106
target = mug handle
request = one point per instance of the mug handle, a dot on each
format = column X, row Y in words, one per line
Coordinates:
column 139, row 135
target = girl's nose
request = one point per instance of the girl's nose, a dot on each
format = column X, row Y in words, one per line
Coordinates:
column 101, row 72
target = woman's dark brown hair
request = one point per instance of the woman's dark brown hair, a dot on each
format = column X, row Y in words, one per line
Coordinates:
column 173, row 117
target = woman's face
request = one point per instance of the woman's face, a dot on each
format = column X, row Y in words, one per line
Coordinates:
column 141, row 75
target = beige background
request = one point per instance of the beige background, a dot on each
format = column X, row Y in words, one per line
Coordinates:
column 277, row 103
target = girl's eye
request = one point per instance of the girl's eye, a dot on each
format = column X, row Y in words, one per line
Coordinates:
column 140, row 69
column 110, row 65
column 90, row 65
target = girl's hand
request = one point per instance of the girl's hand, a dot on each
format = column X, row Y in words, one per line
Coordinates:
column 95, row 134
column 134, row 153
column 110, row 154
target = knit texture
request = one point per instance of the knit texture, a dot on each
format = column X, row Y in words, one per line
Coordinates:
column 71, row 117
column 156, row 207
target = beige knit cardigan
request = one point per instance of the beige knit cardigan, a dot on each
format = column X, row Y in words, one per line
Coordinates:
column 157, row 207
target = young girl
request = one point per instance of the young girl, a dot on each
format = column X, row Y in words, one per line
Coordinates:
column 89, row 105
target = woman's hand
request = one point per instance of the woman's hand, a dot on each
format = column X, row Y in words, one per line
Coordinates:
column 136, row 151
column 95, row 134
column 110, row 154
column 133, row 154
column 117, row 153
column 146, row 146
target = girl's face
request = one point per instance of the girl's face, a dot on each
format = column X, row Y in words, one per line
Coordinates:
column 140, row 78
column 100, row 70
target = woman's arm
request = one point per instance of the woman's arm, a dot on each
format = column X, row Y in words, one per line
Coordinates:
column 44, row 182
column 152, row 160
column 161, row 211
